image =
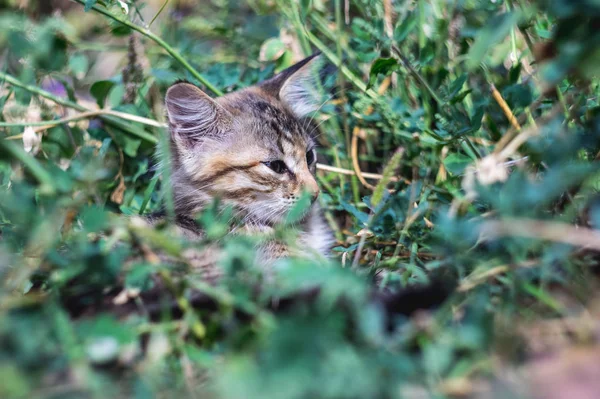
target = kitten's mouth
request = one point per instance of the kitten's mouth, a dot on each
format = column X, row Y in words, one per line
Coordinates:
column 290, row 217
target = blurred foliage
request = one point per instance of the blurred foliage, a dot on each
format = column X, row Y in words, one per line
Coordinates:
column 494, row 105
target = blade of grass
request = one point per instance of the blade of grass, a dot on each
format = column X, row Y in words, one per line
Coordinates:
column 32, row 164
column 147, row 194
column 159, row 12
column 544, row 297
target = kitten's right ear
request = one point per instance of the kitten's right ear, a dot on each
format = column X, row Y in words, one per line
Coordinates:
column 193, row 115
column 299, row 86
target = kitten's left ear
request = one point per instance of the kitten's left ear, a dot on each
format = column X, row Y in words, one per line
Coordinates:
column 299, row 86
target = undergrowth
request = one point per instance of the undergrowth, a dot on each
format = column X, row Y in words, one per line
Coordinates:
column 458, row 144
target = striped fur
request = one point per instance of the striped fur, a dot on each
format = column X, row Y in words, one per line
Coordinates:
column 221, row 149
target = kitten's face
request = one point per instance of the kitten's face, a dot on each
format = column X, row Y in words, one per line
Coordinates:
column 251, row 149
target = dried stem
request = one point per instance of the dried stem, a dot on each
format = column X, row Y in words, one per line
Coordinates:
column 551, row 231
column 43, row 125
column 354, row 155
column 505, row 108
column 342, row 171
column 477, row 278
column 70, row 104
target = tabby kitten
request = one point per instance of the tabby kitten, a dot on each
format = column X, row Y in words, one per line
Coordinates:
column 253, row 150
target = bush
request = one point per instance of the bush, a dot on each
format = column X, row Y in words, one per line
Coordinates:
column 457, row 149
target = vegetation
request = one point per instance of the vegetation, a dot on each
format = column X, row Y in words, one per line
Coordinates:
column 459, row 144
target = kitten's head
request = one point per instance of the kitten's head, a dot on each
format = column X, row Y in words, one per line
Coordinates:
column 252, row 149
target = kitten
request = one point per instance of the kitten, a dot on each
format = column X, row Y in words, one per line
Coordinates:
column 253, row 150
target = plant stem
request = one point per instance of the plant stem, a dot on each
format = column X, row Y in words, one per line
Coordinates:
column 31, row 164
column 355, row 80
column 111, row 119
column 292, row 12
column 161, row 43
column 85, row 115
column 342, row 171
column 40, row 92
column 417, row 75
column 467, row 145
column 159, row 12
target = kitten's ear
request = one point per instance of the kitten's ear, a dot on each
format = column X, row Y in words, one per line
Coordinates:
column 193, row 115
column 299, row 85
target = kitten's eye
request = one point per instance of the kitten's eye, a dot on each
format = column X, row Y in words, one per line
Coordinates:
column 310, row 157
column 276, row 166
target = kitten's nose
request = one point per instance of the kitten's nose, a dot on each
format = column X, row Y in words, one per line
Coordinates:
column 314, row 197
column 313, row 189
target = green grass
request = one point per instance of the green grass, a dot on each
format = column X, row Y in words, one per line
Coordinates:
column 474, row 128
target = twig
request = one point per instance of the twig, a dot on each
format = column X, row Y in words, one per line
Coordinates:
column 474, row 279
column 70, row 104
column 40, row 92
column 505, row 108
column 43, row 125
column 354, row 142
column 354, row 155
column 509, row 145
column 551, row 231
column 367, row 175
column 515, row 143
column 387, row 18
column 361, row 244
column 161, row 43
column 510, row 134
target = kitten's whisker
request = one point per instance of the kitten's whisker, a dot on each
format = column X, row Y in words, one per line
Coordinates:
column 316, row 112
column 316, row 127
column 307, row 122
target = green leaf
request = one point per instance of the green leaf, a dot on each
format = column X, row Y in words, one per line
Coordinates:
column 126, row 142
column 115, row 96
column 405, row 28
column 590, row 67
column 461, row 96
column 271, row 49
column 437, row 357
column 100, row 90
column 457, row 85
column 361, row 216
column 89, row 4
column 94, row 219
column 105, row 325
column 140, row 277
column 382, row 66
column 14, row 384
column 477, row 118
column 495, row 30
column 543, row 296
column 299, row 210
column 456, row 163
column 78, row 63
